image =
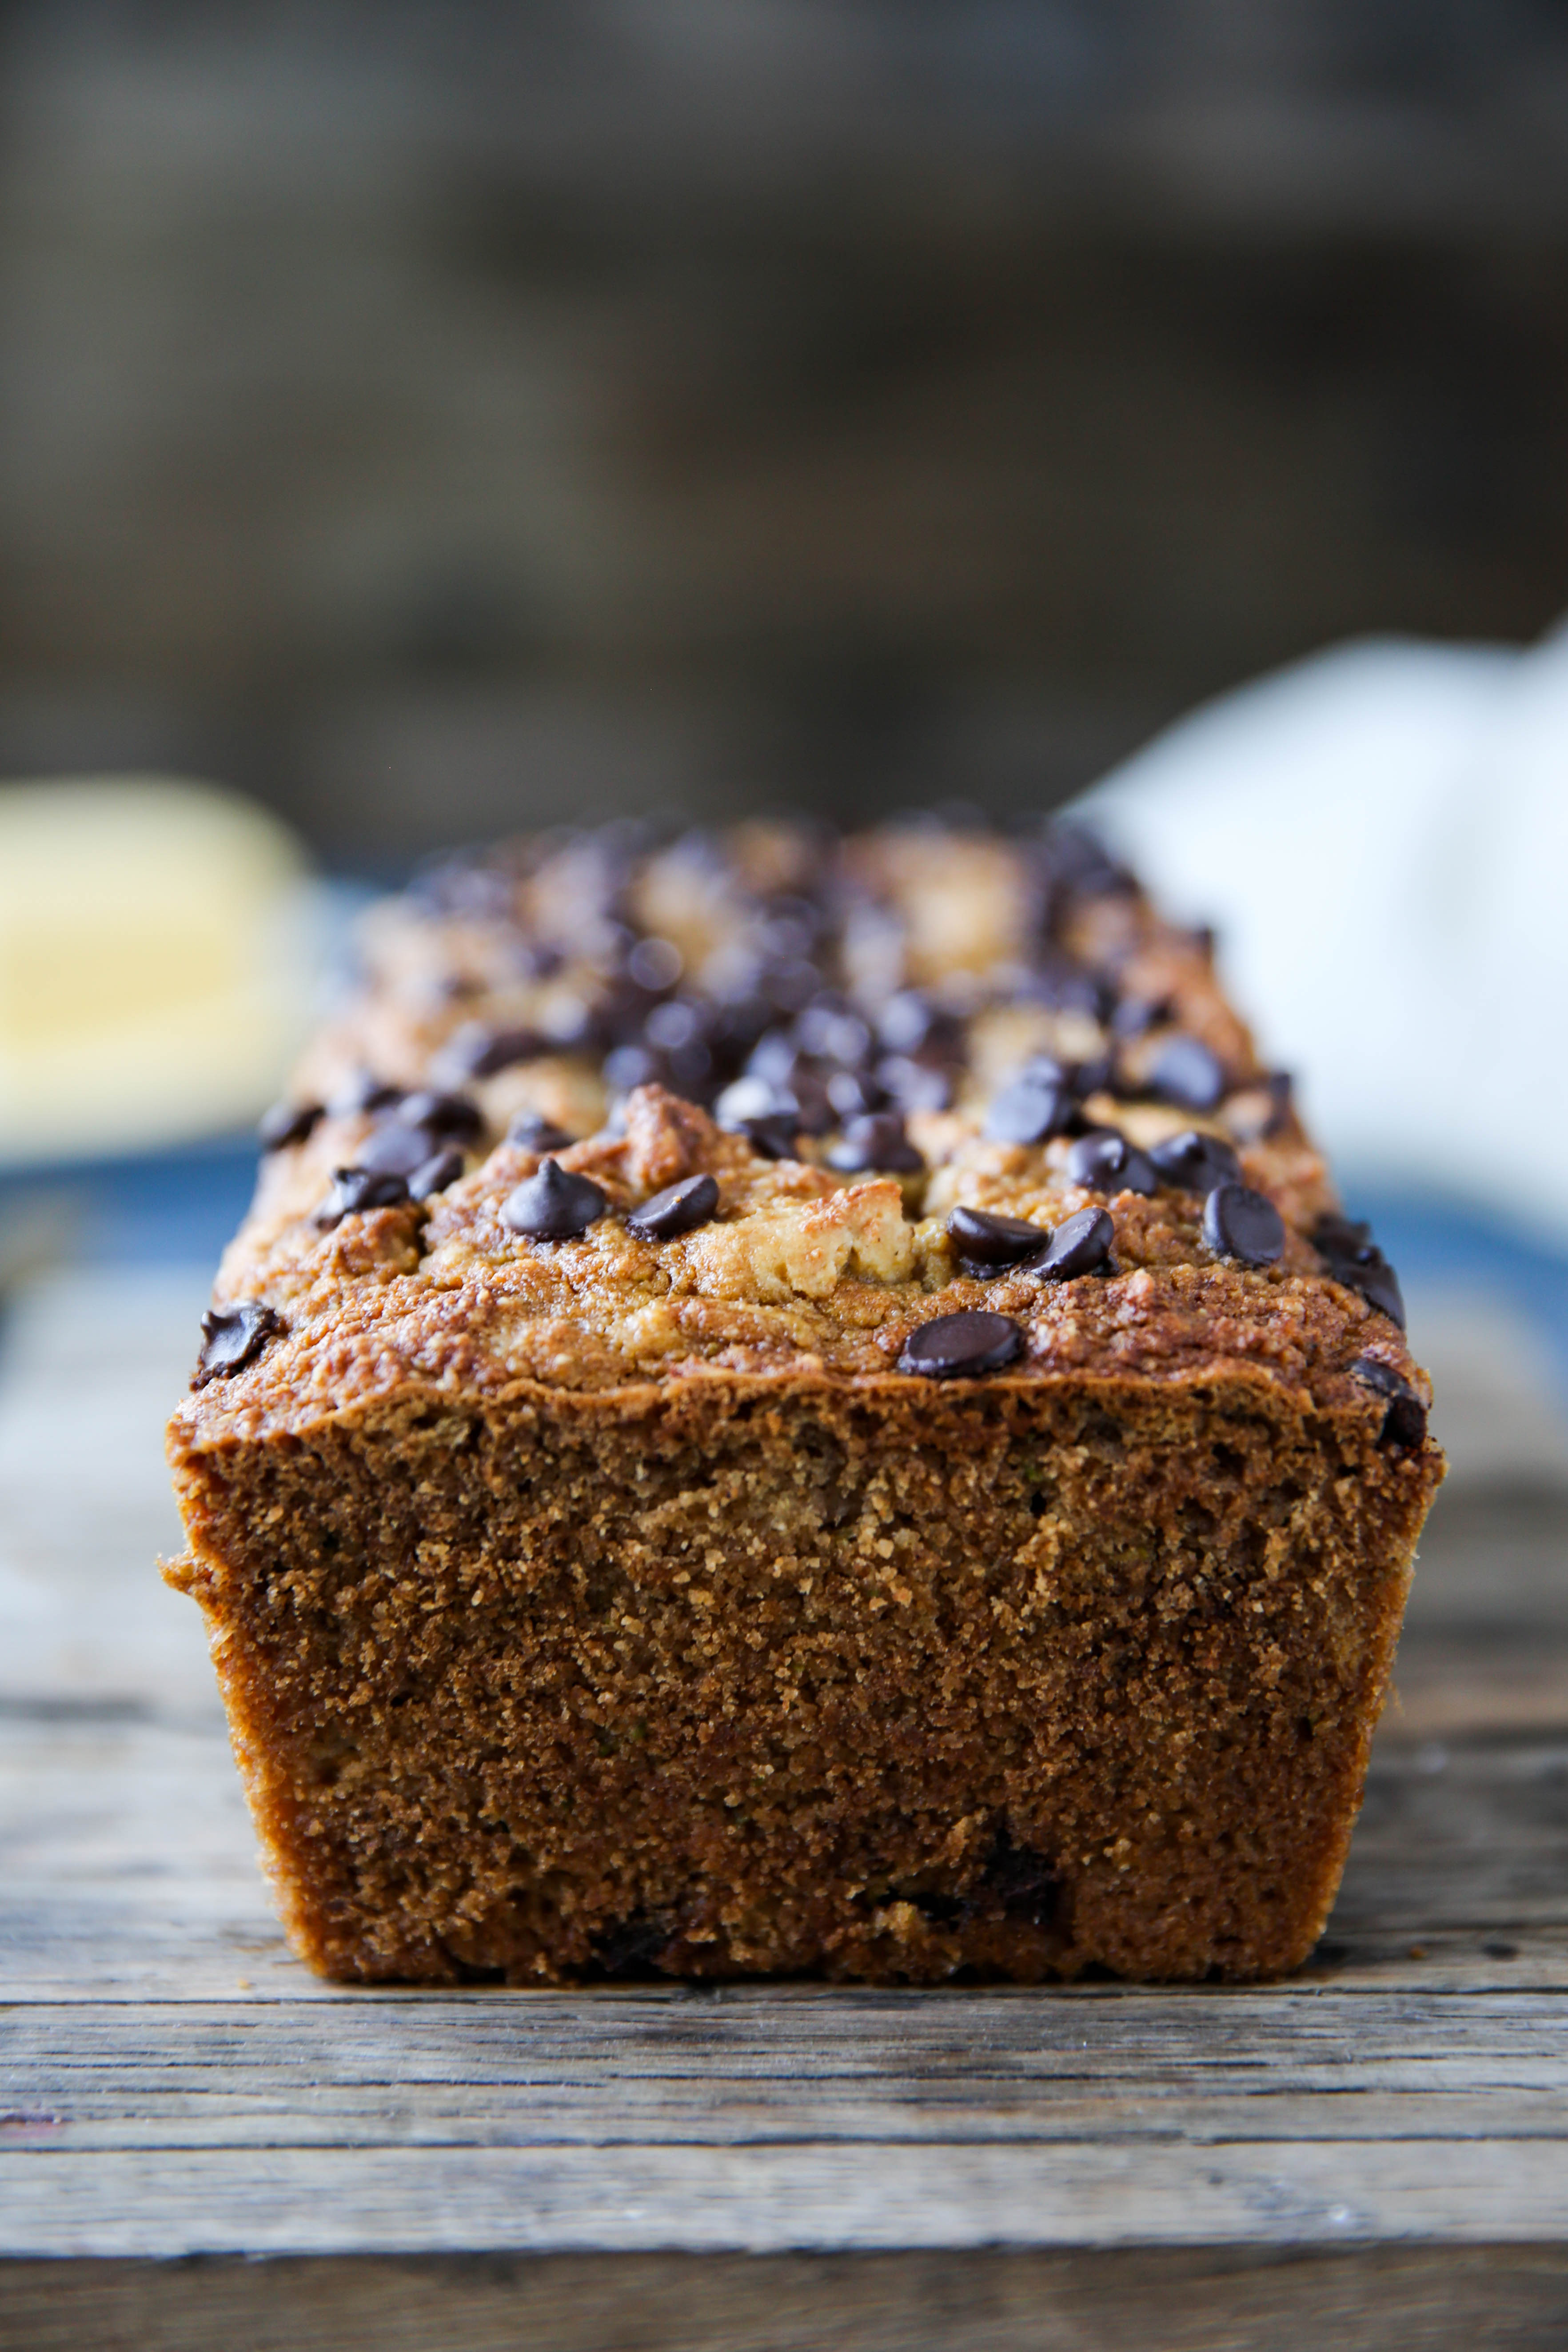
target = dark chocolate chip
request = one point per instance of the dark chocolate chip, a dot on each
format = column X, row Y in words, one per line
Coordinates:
column 626, row 1066
column 678, row 1209
column 1353, row 1258
column 443, row 1168
column 442, row 1114
column 876, row 1139
column 553, row 1205
column 833, row 1034
column 1103, row 1161
column 354, row 1189
column 964, row 1344
column 986, row 1239
column 361, row 1092
column 1184, row 1071
column 852, row 1093
column 1404, row 1423
column 654, row 964
column 286, row 1123
column 1136, row 1015
column 533, row 1132
column 915, row 1086
column 911, row 1024
column 477, row 1051
column 233, row 1337
column 630, row 1948
column 1379, row 1286
column 1080, row 1245
column 774, row 1134
column 1195, row 1163
column 1026, row 1885
column 1243, row 1225
column 1028, row 1111
column 396, row 1148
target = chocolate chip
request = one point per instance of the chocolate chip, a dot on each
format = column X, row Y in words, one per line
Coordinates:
column 554, row 1205
column 533, row 1132
column 1184, row 1071
column 1028, row 1111
column 1195, row 1163
column 876, row 1140
column 396, row 1148
column 443, row 1168
column 774, row 1135
column 853, row 1094
column 911, row 1023
column 990, row 1241
column 286, row 1123
column 626, row 1066
column 1404, row 1423
column 1025, row 1884
column 915, row 1086
column 1136, row 1015
column 973, row 1341
column 354, row 1189
column 233, row 1337
column 361, row 1092
column 1103, row 1161
column 678, row 1209
column 442, row 1114
column 1079, row 1245
column 1243, row 1225
column 1353, row 1258
column 477, row 1051
column 654, row 964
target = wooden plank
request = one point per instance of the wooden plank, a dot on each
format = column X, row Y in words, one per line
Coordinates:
column 1224, row 2299
column 842, row 2067
column 763, row 2199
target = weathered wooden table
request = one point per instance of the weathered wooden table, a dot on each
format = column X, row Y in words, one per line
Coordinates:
column 1380, row 2146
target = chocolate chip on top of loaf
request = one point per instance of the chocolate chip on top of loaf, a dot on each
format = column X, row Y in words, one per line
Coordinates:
column 811, row 1298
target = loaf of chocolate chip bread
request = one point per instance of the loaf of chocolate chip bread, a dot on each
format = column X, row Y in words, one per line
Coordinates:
column 789, row 1403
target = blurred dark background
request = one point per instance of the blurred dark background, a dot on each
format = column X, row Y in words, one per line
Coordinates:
column 436, row 418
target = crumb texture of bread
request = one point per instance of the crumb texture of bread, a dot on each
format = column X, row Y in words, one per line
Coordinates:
column 593, row 1604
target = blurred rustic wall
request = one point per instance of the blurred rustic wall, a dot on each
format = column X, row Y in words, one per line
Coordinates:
column 436, row 416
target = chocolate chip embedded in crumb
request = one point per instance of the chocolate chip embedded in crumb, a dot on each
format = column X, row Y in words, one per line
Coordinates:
column 396, row 1148
column 1193, row 1162
column 1353, row 1258
column 1404, row 1423
column 1104, row 1161
column 233, row 1337
column 678, row 1209
column 442, row 1114
column 286, row 1123
column 990, row 1241
column 554, row 1205
column 1184, row 1071
column 774, row 1135
column 1028, row 1111
column 361, row 1092
column 1243, row 1225
column 443, row 1168
column 531, row 1132
column 1080, row 1245
column 876, row 1140
column 354, row 1189
column 962, row 1345
column 477, row 1051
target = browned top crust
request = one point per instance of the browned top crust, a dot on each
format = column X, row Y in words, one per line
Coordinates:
column 648, row 1000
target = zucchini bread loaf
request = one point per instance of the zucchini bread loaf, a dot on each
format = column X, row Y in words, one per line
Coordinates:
column 789, row 1403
